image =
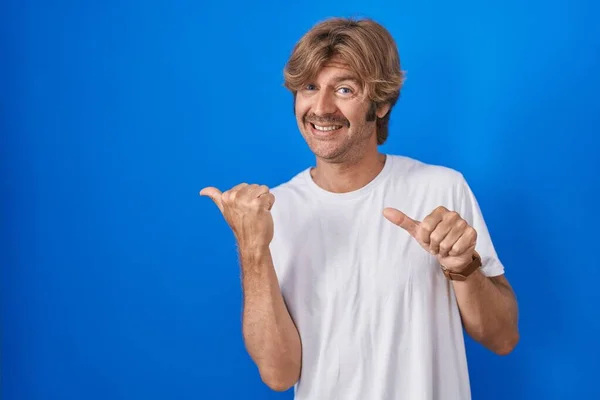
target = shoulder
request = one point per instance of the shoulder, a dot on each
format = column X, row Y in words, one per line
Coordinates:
column 292, row 192
column 420, row 173
column 292, row 186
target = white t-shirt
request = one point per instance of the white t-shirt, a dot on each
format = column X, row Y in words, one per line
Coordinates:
column 377, row 318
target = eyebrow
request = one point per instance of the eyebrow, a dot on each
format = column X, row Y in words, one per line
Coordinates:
column 346, row 78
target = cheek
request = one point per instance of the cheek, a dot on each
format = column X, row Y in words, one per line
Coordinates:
column 299, row 107
column 363, row 115
column 354, row 115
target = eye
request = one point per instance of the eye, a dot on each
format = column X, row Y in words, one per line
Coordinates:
column 345, row 90
column 309, row 86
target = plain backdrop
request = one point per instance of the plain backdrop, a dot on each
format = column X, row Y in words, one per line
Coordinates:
column 119, row 282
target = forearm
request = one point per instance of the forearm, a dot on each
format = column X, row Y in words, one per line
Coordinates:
column 489, row 311
column 270, row 335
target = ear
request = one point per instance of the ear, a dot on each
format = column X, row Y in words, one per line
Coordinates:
column 382, row 110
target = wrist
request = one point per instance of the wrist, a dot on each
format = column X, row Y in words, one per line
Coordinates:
column 461, row 274
column 252, row 253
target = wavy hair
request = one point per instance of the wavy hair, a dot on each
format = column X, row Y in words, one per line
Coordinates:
column 365, row 46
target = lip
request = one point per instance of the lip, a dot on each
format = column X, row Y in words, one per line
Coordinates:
column 322, row 134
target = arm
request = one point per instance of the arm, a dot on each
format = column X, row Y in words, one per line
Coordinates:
column 271, row 337
column 487, row 305
column 489, row 311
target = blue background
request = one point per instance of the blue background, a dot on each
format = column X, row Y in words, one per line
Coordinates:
column 119, row 282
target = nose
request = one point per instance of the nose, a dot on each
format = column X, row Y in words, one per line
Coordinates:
column 324, row 103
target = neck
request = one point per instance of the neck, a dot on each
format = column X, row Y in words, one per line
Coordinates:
column 348, row 176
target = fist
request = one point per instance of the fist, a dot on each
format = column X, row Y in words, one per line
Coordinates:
column 443, row 233
column 247, row 210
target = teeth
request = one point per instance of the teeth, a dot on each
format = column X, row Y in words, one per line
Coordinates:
column 327, row 128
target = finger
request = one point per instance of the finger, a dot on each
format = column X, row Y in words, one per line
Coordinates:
column 428, row 226
column 261, row 190
column 234, row 191
column 470, row 250
column 239, row 186
column 397, row 217
column 264, row 202
column 466, row 241
column 254, row 190
column 230, row 195
column 214, row 194
column 439, row 234
column 451, row 238
column 268, row 199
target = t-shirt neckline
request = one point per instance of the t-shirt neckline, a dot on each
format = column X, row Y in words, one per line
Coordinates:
column 325, row 194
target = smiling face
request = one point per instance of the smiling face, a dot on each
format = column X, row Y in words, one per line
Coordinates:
column 335, row 116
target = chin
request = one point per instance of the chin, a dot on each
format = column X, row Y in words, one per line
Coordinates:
column 332, row 147
column 329, row 152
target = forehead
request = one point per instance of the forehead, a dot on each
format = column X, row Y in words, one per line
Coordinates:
column 336, row 70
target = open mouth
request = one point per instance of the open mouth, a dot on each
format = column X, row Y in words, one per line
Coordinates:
column 326, row 128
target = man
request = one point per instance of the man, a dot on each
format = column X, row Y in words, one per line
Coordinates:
column 359, row 279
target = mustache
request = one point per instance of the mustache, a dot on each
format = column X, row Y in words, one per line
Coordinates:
column 326, row 119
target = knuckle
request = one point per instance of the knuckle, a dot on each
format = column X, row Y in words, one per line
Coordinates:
column 239, row 187
column 269, row 198
column 426, row 227
column 450, row 216
column 225, row 196
column 473, row 232
column 444, row 247
column 436, row 238
column 256, row 202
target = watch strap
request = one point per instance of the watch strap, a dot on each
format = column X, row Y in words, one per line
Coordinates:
column 468, row 270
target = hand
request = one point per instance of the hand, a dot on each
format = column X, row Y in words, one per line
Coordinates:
column 442, row 233
column 247, row 210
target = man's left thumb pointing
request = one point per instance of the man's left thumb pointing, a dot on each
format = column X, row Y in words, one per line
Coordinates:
column 397, row 217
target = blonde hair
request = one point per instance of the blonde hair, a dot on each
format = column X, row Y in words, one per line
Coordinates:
column 368, row 49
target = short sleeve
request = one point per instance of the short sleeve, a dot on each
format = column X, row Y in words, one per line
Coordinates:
column 468, row 208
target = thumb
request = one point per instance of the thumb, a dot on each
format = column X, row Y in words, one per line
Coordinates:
column 214, row 194
column 402, row 220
